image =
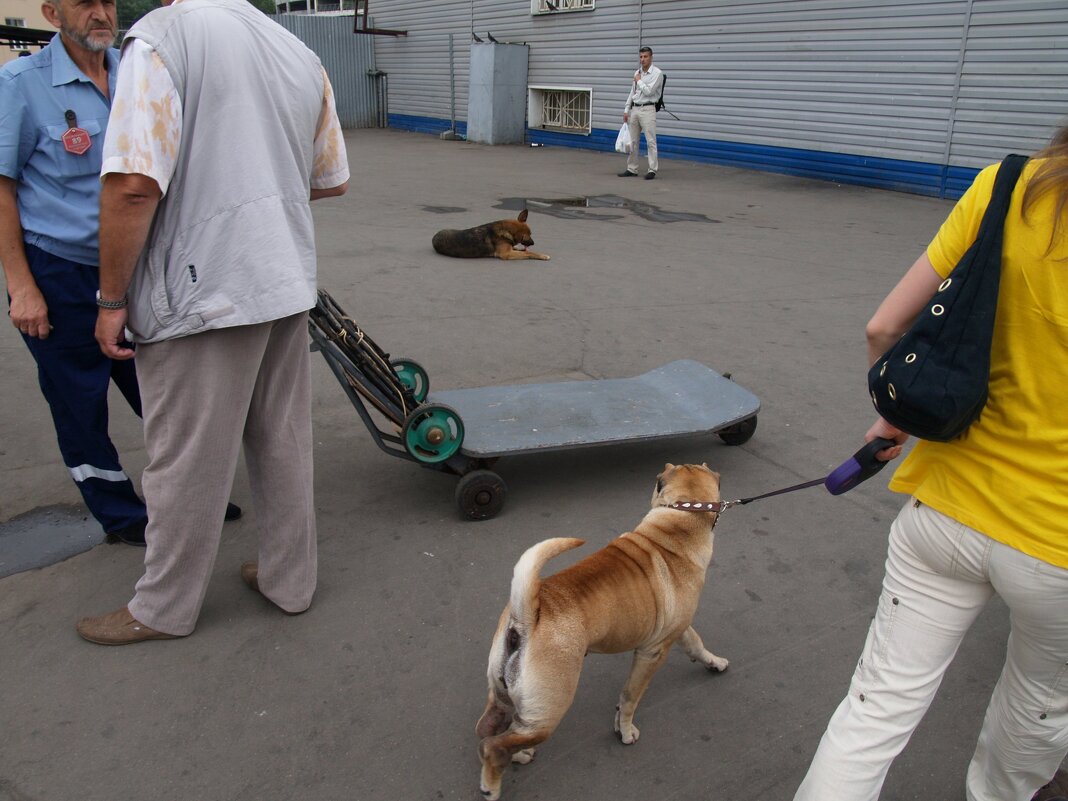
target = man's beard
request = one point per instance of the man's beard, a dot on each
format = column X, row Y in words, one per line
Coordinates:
column 92, row 43
column 96, row 45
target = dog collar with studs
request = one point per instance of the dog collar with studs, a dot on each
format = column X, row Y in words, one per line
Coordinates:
column 701, row 506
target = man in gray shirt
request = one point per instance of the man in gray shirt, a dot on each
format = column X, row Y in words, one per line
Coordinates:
column 207, row 257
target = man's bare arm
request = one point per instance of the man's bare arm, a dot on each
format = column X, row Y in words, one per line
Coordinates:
column 29, row 311
column 333, row 191
column 127, row 205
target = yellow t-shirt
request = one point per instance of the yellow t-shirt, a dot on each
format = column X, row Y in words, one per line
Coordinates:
column 1008, row 475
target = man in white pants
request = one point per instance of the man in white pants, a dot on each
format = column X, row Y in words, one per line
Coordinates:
column 640, row 112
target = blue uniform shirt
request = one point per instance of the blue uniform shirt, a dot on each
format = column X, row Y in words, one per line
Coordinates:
column 58, row 192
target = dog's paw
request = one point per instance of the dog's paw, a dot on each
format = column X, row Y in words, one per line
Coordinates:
column 524, row 757
column 712, row 663
column 717, row 664
column 544, row 257
column 628, row 733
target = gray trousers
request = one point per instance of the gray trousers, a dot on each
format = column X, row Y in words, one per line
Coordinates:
column 204, row 396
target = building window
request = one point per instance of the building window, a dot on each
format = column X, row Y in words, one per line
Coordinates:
column 556, row 108
column 16, row 22
column 556, row 6
column 325, row 7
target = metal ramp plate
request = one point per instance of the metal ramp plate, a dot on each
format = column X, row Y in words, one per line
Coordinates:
column 683, row 397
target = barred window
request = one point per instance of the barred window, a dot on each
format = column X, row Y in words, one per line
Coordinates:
column 560, row 109
column 554, row 6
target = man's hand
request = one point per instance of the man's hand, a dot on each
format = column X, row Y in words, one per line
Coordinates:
column 29, row 312
column 638, row 75
column 110, row 333
column 883, row 429
column 626, row 117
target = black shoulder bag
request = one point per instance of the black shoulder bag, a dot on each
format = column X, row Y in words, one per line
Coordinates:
column 660, row 101
column 933, row 382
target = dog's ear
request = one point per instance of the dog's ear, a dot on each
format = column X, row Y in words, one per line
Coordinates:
column 668, row 466
column 522, row 216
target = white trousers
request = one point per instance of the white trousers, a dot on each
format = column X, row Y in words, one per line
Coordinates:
column 939, row 576
column 642, row 118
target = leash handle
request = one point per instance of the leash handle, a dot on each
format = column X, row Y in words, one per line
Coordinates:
column 861, row 466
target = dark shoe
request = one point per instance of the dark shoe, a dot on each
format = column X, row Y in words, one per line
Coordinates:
column 250, row 572
column 133, row 534
column 118, row 628
column 1056, row 790
column 628, row 174
column 650, row 175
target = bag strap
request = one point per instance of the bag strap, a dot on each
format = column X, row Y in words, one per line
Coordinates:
column 1001, row 196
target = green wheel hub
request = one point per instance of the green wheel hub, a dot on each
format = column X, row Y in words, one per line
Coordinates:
column 433, row 433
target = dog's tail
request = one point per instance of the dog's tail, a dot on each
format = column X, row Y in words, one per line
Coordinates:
column 526, row 578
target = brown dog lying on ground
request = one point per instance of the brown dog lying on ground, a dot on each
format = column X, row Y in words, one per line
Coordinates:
column 639, row 593
column 492, row 239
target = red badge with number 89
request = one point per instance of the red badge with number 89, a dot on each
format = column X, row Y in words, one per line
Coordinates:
column 77, row 141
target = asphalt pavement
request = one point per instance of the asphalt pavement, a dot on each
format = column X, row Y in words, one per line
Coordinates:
column 374, row 693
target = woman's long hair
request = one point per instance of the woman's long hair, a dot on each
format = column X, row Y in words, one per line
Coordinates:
column 1051, row 176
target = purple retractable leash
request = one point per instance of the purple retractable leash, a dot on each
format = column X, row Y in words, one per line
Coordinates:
column 858, row 468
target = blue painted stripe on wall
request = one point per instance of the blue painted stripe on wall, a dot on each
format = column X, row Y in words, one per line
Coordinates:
column 431, row 125
column 917, row 177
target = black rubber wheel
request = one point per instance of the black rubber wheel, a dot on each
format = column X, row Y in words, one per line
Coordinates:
column 739, row 433
column 480, row 494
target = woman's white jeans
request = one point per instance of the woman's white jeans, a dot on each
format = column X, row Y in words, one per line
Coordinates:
column 939, row 576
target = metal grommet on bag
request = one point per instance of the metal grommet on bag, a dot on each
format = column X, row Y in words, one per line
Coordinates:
column 945, row 285
column 874, row 400
column 892, row 391
column 882, row 371
column 938, row 310
column 910, row 358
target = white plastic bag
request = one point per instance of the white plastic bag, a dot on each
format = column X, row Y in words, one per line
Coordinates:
column 623, row 139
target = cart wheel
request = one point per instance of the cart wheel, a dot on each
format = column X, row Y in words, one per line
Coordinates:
column 739, row 433
column 413, row 376
column 433, row 433
column 480, row 494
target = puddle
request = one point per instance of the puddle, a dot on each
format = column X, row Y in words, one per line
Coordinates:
column 577, row 208
column 45, row 536
column 444, row 209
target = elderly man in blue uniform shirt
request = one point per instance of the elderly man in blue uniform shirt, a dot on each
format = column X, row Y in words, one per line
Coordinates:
column 54, row 108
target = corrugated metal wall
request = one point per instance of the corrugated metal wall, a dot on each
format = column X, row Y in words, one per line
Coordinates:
column 914, row 94
column 1014, row 81
column 346, row 57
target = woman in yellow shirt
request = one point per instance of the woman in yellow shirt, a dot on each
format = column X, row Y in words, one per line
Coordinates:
column 988, row 513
